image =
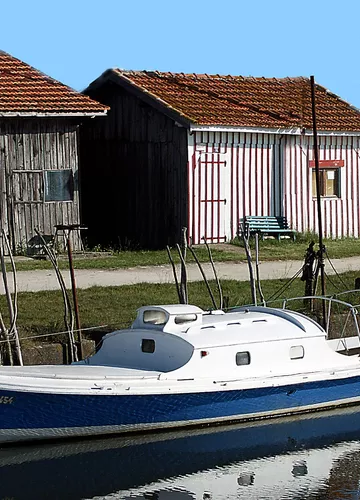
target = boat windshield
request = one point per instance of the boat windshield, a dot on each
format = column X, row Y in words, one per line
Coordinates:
column 181, row 319
column 154, row 317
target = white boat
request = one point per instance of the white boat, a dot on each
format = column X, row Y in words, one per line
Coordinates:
column 179, row 366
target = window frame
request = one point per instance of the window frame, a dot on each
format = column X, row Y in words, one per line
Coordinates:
column 46, row 184
column 322, row 178
column 242, row 353
column 296, row 356
column 154, row 317
column 149, row 342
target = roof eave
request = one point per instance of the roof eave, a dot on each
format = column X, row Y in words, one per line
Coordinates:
column 264, row 130
column 50, row 114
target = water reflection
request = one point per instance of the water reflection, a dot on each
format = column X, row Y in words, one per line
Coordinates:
column 313, row 457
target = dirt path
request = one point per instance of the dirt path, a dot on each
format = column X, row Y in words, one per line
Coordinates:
column 34, row 281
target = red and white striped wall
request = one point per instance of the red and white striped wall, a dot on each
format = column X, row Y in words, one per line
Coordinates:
column 233, row 174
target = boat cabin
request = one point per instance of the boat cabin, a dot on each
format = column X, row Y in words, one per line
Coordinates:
column 185, row 342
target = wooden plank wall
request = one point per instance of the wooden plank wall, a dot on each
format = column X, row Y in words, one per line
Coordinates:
column 134, row 174
column 27, row 148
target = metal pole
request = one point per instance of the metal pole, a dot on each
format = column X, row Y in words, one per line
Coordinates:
column 317, row 178
column 74, row 294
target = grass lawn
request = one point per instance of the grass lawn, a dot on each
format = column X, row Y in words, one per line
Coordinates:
column 115, row 307
column 270, row 249
column 286, row 249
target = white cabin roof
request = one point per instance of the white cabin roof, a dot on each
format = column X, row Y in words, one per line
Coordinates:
column 216, row 328
column 174, row 309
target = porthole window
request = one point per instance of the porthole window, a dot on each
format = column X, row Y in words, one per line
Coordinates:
column 297, row 352
column 242, row 358
column 148, row 345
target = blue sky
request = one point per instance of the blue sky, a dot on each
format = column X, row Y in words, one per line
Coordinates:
column 75, row 41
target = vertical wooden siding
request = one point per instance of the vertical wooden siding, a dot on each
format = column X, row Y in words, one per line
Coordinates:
column 27, row 149
column 134, row 176
column 340, row 215
column 235, row 174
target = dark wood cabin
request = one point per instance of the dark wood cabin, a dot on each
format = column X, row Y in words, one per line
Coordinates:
column 39, row 161
column 134, row 182
column 203, row 151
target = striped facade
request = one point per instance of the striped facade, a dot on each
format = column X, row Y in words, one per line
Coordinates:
column 219, row 147
column 233, row 174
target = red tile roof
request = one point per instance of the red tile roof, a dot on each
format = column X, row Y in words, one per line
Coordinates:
column 245, row 101
column 24, row 89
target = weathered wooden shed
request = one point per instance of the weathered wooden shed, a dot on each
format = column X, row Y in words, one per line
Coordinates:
column 39, row 165
column 202, row 151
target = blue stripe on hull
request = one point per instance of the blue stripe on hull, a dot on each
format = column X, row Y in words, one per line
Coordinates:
column 38, row 410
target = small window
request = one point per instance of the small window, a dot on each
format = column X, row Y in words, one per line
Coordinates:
column 242, row 358
column 297, row 352
column 148, row 345
column 185, row 318
column 154, row 317
column 59, row 185
column 329, row 182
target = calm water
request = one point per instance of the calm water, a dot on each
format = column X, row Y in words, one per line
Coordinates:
column 312, row 457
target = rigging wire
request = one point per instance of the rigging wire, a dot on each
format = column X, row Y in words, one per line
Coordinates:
column 335, row 271
column 286, row 285
column 277, row 293
column 332, row 282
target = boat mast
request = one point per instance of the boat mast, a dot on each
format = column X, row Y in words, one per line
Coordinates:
column 317, row 178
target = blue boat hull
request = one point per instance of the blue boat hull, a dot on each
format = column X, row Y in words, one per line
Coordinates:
column 28, row 415
column 96, row 468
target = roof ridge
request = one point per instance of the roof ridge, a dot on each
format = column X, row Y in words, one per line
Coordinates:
column 207, row 75
column 244, row 101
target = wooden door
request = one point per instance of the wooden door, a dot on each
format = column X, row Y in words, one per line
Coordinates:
column 212, row 197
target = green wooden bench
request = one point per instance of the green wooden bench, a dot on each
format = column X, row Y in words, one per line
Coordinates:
column 266, row 225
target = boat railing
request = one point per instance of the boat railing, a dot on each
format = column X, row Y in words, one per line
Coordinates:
column 351, row 310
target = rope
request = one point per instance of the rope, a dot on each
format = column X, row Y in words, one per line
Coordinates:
column 335, row 271
column 285, row 286
column 332, row 282
column 52, row 334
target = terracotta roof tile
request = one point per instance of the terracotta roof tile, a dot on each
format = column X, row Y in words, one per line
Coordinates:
column 246, row 101
column 24, row 89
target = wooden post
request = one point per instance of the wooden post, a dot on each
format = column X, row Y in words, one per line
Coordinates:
column 249, row 260
column 308, row 274
column 258, row 283
column 13, row 329
column 183, row 275
column 74, row 293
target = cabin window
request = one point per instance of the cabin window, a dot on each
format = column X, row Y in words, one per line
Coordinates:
column 59, row 185
column 297, row 352
column 185, row 318
column 154, row 317
column 148, row 345
column 329, row 182
column 242, row 358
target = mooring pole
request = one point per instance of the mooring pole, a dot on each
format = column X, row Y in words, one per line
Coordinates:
column 318, row 199
column 74, row 293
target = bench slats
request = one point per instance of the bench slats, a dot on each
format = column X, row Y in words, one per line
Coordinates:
column 264, row 224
